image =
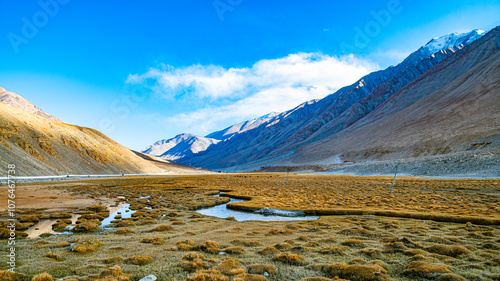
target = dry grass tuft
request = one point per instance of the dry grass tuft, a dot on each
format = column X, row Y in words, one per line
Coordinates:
column 147, row 221
column 11, row 276
column 372, row 253
column 85, row 245
column 192, row 261
column 321, row 279
column 245, row 243
column 493, row 262
column 237, row 250
column 312, row 244
column 162, row 227
column 261, row 268
column 449, row 250
column 439, row 240
column 394, row 247
column 61, row 215
column 29, row 218
column 333, row 250
column 450, row 277
column 139, row 260
column 250, row 277
column 283, row 246
column 126, row 224
column 280, row 232
column 230, row 267
column 208, row 246
column 42, row 277
column 155, row 241
column 185, row 245
column 356, row 231
column 406, row 241
column 368, row 272
column 207, row 275
column 97, row 209
column 113, row 260
column 353, row 243
column 113, row 273
column 290, row 259
column 425, row 270
column 123, row 231
column 51, row 255
column 86, row 226
column 268, row 251
column 192, row 255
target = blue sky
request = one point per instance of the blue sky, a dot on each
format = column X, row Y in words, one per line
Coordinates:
column 141, row 71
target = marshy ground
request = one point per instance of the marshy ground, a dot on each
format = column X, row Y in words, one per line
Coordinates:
column 428, row 229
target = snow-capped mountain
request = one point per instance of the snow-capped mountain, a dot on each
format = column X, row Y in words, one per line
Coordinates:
column 185, row 145
column 287, row 132
column 179, row 146
column 242, row 127
column 452, row 40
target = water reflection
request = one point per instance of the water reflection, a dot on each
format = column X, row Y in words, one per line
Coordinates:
column 221, row 211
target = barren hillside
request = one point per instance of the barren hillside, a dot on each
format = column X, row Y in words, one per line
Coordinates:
column 39, row 147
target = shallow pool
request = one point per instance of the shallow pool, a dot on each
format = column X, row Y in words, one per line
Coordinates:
column 221, row 211
column 123, row 209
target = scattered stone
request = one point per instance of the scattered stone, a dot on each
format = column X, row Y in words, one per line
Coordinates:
column 148, row 278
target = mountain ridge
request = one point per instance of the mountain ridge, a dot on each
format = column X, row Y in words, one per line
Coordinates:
column 286, row 130
column 21, row 103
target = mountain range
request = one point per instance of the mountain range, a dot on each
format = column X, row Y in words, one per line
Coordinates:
column 187, row 145
column 388, row 114
column 441, row 101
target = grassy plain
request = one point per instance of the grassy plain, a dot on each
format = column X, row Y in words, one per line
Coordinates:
column 427, row 229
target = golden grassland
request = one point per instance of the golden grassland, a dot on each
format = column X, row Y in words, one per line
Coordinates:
column 173, row 242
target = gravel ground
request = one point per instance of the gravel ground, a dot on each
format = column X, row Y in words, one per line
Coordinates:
column 469, row 164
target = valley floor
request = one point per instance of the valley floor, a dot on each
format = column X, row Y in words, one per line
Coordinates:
column 467, row 164
column 166, row 237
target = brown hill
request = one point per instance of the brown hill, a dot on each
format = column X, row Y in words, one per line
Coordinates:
column 39, row 147
column 21, row 103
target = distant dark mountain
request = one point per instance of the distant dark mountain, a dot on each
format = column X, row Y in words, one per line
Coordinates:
column 452, row 107
column 314, row 121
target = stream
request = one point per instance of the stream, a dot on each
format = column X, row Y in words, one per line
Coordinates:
column 221, row 211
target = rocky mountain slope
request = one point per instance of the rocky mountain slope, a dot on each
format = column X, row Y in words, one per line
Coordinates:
column 186, row 145
column 21, row 103
column 314, row 121
column 39, row 147
column 452, row 107
column 242, row 127
column 179, row 146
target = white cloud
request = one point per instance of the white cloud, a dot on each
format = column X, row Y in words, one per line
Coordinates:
column 269, row 85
